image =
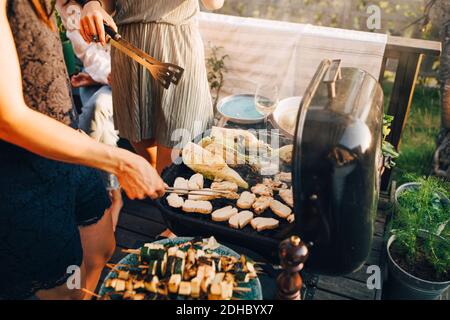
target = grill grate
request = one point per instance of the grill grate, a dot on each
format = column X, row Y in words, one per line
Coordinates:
column 199, row 224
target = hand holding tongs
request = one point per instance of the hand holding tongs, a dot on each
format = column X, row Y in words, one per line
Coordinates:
column 164, row 73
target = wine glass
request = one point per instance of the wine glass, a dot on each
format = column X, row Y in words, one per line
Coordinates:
column 266, row 99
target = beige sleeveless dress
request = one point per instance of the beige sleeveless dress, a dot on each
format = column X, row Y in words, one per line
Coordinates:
column 167, row 30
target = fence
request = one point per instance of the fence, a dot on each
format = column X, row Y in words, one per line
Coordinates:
column 396, row 15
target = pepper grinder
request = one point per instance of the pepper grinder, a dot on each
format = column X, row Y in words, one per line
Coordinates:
column 293, row 253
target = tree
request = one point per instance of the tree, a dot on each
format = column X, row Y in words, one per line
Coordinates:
column 441, row 166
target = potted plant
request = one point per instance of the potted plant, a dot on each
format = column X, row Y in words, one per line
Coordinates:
column 418, row 249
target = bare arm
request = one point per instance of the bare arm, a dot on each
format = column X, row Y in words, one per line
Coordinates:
column 213, row 4
column 44, row 136
column 109, row 5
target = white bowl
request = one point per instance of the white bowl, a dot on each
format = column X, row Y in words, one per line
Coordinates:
column 284, row 117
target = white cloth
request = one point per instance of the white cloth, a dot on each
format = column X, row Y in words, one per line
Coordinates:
column 96, row 59
column 288, row 54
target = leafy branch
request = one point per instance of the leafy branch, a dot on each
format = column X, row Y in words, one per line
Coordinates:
column 216, row 72
column 425, row 19
column 389, row 152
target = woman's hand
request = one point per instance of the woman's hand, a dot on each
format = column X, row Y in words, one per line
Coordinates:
column 138, row 178
column 91, row 24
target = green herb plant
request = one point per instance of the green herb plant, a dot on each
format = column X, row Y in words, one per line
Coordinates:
column 389, row 152
column 424, row 208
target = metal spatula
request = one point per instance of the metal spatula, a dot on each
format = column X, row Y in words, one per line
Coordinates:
column 164, row 73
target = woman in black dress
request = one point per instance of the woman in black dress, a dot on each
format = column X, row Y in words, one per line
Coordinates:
column 51, row 204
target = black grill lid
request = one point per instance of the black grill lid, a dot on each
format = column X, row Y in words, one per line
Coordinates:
column 335, row 176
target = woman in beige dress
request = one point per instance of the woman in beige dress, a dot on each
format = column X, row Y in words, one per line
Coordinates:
column 146, row 114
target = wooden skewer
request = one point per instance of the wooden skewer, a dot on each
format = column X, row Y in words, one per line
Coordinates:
column 204, row 189
column 132, row 251
column 111, row 266
column 239, row 289
column 194, row 193
column 91, row 293
column 200, row 192
column 114, row 266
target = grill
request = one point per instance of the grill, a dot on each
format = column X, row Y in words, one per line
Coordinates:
column 337, row 146
column 185, row 224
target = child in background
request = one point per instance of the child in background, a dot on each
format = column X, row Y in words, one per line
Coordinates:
column 95, row 93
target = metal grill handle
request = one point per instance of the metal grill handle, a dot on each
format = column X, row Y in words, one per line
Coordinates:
column 330, row 78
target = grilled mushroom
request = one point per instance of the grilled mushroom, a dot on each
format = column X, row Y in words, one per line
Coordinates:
column 261, row 224
column 196, row 182
column 280, row 209
column 287, row 196
column 241, row 219
column 224, row 214
column 262, row 190
column 197, row 206
column 225, row 186
column 175, row 201
column 246, row 200
column 261, row 204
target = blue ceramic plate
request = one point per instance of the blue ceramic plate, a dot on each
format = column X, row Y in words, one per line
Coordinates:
column 254, row 284
column 240, row 108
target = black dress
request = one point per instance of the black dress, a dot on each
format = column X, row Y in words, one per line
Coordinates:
column 42, row 202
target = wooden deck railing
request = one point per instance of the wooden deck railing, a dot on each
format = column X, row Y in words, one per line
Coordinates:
column 409, row 53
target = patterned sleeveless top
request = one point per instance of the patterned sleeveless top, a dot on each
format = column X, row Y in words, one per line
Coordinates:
column 45, row 80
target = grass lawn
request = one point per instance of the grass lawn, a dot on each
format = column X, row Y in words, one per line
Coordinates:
column 419, row 136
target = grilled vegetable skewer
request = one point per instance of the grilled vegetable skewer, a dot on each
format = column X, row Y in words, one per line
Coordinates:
column 190, row 270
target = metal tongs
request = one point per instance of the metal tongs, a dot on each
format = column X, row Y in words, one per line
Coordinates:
column 164, row 73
